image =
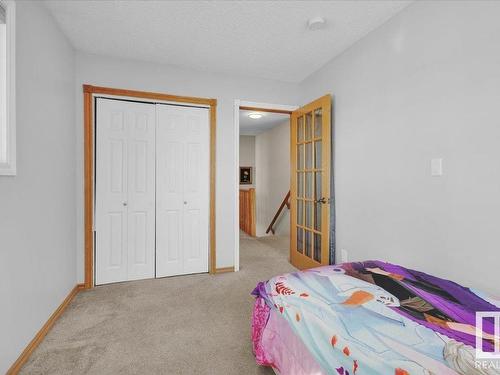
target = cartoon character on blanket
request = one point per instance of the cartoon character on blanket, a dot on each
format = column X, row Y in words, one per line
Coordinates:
column 378, row 318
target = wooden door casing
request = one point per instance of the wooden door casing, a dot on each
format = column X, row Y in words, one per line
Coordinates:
column 90, row 93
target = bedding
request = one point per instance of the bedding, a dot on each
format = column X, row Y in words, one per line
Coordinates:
column 369, row 318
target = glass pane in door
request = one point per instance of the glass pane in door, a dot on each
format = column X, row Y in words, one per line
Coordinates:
column 308, row 243
column 317, row 186
column 309, row 129
column 317, row 247
column 317, row 123
column 300, row 184
column 317, row 154
column 300, row 129
column 317, row 216
column 300, row 157
column 300, row 212
column 300, row 239
column 308, row 218
column 309, row 185
column 309, row 156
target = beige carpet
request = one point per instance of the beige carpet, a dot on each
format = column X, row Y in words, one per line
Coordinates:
column 197, row 324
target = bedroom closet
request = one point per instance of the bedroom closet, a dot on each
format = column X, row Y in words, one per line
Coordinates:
column 152, row 190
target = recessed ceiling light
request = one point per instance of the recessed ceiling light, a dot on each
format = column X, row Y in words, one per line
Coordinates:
column 255, row 115
column 316, row 23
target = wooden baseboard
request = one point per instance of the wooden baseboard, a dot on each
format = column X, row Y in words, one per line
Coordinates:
column 224, row 269
column 14, row 369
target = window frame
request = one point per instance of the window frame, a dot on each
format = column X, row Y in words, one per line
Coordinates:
column 9, row 168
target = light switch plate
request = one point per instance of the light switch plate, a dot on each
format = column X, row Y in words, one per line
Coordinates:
column 436, row 167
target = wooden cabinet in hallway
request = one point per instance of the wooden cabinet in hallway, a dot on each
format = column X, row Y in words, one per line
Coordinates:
column 247, row 211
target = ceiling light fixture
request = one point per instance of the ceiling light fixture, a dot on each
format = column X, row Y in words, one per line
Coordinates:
column 316, row 23
column 255, row 115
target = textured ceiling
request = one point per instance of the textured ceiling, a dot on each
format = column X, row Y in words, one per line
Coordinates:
column 268, row 121
column 266, row 39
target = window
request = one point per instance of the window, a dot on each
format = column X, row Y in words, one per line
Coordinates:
column 7, row 91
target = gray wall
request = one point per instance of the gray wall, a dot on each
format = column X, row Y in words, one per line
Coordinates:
column 424, row 85
column 272, row 161
column 104, row 71
column 247, row 157
column 37, row 207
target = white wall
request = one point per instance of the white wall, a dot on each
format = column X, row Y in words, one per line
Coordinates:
column 424, row 85
column 96, row 70
column 247, row 156
column 272, row 160
column 37, row 207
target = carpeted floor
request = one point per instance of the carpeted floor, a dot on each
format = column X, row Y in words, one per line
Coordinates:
column 197, row 324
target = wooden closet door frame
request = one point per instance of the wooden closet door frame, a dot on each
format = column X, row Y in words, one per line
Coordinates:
column 89, row 92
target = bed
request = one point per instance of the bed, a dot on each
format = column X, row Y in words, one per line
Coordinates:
column 370, row 318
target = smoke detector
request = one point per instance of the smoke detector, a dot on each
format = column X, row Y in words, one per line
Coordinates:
column 316, row 23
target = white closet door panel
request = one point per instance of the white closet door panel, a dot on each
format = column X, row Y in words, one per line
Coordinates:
column 169, row 188
column 182, row 190
column 111, row 193
column 196, row 191
column 169, row 239
column 195, row 244
column 125, row 210
column 141, row 191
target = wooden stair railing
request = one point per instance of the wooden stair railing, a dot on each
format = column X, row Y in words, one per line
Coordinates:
column 286, row 202
column 247, row 211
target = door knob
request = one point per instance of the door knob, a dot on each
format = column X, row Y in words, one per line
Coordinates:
column 124, row 204
column 185, row 202
column 323, row 200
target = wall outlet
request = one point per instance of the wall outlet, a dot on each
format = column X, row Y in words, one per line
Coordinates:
column 343, row 256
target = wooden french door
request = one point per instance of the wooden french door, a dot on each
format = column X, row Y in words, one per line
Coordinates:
column 310, row 154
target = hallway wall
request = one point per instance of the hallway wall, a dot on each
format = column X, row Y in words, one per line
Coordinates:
column 247, row 156
column 272, row 160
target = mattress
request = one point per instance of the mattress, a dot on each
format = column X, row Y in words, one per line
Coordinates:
column 370, row 318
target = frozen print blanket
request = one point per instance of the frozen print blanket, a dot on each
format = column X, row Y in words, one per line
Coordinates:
column 378, row 318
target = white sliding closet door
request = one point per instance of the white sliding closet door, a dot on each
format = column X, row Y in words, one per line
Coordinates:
column 125, row 190
column 182, row 190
